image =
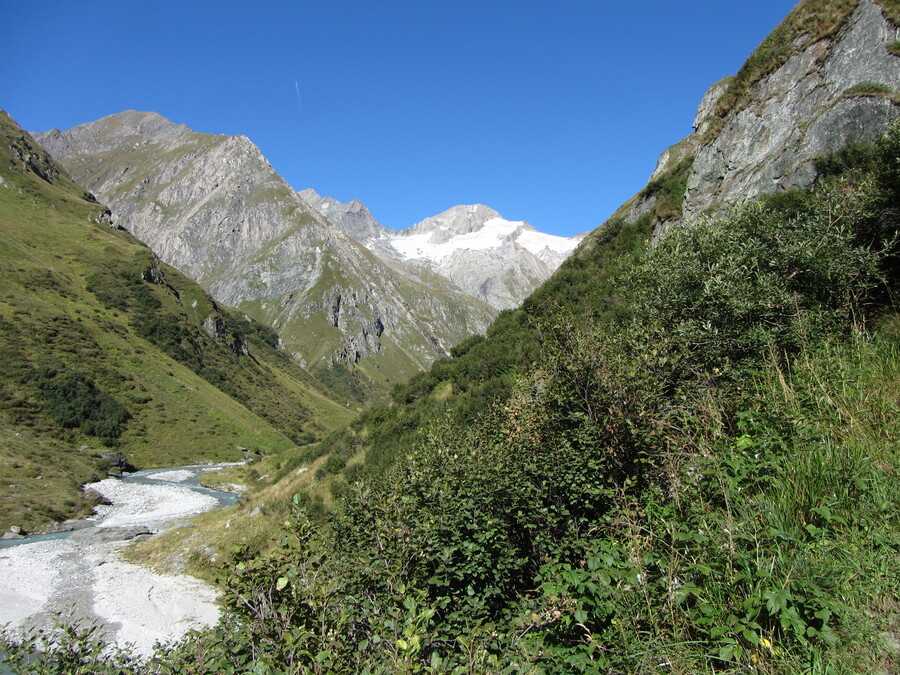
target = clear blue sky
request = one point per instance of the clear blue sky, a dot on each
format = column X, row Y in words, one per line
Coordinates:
column 553, row 113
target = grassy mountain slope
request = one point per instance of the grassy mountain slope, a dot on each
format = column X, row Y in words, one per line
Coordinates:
column 105, row 349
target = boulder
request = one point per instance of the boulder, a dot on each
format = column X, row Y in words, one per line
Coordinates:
column 67, row 526
column 15, row 532
column 96, row 498
column 116, row 460
column 110, row 534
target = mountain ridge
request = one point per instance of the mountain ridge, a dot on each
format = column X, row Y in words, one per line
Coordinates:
column 214, row 207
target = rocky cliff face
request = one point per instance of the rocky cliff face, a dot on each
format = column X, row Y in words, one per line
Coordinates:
column 830, row 90
column 213, row 207
column 805, row 108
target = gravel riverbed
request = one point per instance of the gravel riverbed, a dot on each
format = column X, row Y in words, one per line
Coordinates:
column 84, row 578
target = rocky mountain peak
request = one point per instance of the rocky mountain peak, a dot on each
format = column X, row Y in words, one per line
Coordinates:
column 352, row 218
column 494, row 259
column 114, row 131
column 457, row 220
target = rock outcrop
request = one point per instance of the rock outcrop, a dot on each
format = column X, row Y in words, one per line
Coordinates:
column 829, row 91
column 804, row 109
column 352, row 218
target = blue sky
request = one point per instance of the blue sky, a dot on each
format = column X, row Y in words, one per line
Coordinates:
column 554, row 113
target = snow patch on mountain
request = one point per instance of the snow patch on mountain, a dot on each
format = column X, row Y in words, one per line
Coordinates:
column 494, row 233
column 496, row 260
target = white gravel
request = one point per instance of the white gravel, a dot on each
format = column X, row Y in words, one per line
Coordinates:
column 85, row 578
column 151, row 607
column 150, row 505
column 28, row 575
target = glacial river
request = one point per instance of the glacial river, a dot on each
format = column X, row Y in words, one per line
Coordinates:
column 82, row 576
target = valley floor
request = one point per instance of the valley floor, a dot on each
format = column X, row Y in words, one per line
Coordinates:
column 84, row 578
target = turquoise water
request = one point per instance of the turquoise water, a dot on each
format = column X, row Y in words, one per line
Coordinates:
column 31, row 538
column 225, row 498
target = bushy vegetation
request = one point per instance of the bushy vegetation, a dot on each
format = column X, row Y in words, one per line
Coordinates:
column 669, row 189
column 72, row 400
column 693, row 471
column 872, row 89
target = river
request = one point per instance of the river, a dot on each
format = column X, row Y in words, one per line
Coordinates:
column 82, row 576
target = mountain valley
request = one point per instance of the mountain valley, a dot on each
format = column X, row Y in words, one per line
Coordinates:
column 667, row 445
column 111, row 357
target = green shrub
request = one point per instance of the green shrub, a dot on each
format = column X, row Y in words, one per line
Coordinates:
column 73, row 400
column 65, row 649
column 857, row 155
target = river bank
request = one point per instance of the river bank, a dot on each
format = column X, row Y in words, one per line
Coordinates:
column 83, row 577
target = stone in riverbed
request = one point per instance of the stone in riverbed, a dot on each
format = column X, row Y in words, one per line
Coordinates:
column 67, row 526
column 95, row 497
column 15, row 532
column 116, row 460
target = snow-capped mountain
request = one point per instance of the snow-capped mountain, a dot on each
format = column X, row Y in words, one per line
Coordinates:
column 439, row 237
column 496, row 260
